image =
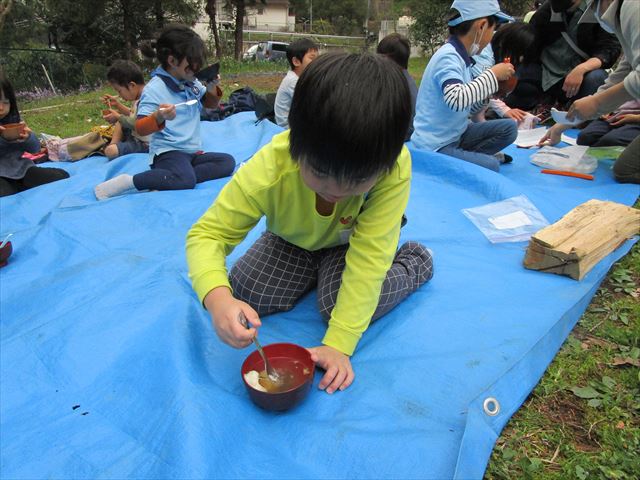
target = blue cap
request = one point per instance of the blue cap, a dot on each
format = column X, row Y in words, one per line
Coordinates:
column 474, row 9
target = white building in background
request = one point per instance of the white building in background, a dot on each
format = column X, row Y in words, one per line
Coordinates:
column 274, row 16
column 401, row 26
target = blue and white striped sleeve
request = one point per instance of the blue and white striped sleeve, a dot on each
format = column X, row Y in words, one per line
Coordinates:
column 459, row 96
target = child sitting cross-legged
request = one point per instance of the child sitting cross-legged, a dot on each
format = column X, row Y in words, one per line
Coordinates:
column 448, row 93
column 127, row 79
column 333, row 190
column 169, row 111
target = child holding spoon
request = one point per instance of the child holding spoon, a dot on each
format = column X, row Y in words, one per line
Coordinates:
column 166, row 113
column 127, row 79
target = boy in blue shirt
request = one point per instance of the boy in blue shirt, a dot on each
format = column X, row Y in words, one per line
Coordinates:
column 448, row 93
column 299, row 54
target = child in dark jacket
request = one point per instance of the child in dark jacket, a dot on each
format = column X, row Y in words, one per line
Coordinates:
column 18, row 173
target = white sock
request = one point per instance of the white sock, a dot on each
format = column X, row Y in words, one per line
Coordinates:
column 113, row 187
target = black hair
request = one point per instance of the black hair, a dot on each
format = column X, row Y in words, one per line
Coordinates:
column 464, row 27
column 122, row 72
column 397, row 48
column 515, row 40
column 181, row 42
column 349, row 116
column 7, row 90
column 299, row 49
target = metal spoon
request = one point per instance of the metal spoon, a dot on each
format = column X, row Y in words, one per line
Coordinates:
column 271, row 372
column 4, row 242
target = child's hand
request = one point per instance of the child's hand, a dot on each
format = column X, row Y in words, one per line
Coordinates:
column 225, row 317
column 338, row 371
column 166, row 111
column 624, row 119
column 503, row 71
column 516, row 114
column 110, row 100
column 24, row 135
column 553, row 135
column 111, row 117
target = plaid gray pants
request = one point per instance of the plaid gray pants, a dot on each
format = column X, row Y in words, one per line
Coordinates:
column 274, row 274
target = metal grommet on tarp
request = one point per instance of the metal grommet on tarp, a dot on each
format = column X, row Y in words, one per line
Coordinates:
column 491, row 406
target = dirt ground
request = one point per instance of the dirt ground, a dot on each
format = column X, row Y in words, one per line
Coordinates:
column 261, row 83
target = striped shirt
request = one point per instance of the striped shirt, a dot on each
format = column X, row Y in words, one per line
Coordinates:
column 447, row 96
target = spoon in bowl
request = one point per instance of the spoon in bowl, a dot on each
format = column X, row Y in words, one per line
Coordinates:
column 4, row 242
column 272, row 374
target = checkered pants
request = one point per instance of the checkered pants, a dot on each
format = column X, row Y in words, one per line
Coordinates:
column 274, row 274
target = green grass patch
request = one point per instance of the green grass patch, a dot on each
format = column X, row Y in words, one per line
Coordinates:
column 582, row 421
column 417, row 66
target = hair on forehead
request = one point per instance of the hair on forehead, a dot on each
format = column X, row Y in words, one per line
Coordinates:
column 349, row 115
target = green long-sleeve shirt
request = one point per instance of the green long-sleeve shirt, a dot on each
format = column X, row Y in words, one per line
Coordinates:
column 270, row 185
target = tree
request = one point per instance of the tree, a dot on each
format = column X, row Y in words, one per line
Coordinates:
column 211, row 10
column 113, row 28
column 238, row 10
column 347, row 16
column 430, row 27
column 5, row 8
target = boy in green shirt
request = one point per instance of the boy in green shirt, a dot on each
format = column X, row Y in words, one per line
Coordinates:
column 333, row 190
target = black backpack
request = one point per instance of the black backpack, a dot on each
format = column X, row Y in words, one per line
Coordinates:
column 243, row 100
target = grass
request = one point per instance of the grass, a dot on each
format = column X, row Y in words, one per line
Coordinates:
column 582, row 421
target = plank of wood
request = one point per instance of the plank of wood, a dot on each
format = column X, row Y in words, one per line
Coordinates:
column 578, row 241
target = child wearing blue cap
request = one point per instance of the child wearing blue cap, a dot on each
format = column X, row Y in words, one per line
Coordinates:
column 448, row 93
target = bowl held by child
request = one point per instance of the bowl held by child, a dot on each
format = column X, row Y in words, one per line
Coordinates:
column 5, row 253
column 12, row 131
column 293, row 364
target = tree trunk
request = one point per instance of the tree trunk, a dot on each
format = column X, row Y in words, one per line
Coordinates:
column 5, row 8
column 127, row 28
column 159, row 14
column 210, row 8
column 240, row 10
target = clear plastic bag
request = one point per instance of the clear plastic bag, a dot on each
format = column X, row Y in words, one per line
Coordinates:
column 512, row 220
column 570, row 159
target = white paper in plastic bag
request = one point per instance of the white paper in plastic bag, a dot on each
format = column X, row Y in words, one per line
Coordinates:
column 512, row 220
column 570, row 159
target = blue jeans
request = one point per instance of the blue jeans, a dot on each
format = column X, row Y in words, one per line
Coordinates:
column 481, row 140
column 600, row 133
column 176, row 170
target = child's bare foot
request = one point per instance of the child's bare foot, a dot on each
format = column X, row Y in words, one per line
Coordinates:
column 115, row 186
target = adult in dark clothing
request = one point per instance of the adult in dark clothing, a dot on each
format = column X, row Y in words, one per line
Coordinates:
column 18, row 173
column 573, row 53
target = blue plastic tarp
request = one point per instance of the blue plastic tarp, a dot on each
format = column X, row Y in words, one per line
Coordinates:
column 110, row 367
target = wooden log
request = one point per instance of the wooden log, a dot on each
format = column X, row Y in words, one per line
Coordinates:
column 583, row 237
